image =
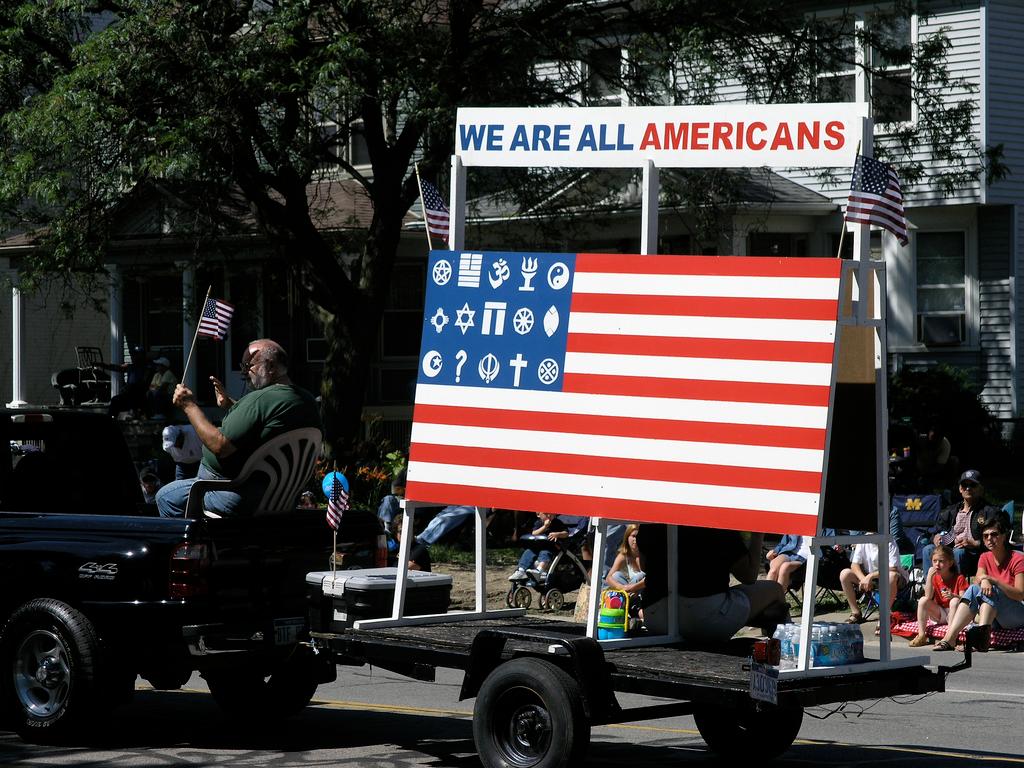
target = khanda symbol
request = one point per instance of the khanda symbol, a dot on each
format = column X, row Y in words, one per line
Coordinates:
column 488, row 368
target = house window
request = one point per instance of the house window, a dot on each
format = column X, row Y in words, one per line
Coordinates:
column 402, row 323
column 603, row 84
column 888, row 54
column 941, row 288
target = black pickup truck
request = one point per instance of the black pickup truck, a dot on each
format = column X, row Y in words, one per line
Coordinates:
column 97, row 589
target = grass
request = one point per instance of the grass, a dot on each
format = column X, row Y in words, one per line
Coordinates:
column 456, row 555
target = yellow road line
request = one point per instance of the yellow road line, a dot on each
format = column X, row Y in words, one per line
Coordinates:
column 398, row 708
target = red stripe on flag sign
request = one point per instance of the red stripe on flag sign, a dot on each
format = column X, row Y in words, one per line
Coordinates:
column 659, row 429
column 707, row 306
column 641, row 469
column 739, row 391
column 623, row 509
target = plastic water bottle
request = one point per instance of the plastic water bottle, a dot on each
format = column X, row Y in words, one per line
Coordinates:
column 837, row 645
column 819, row 650
column 856, row 644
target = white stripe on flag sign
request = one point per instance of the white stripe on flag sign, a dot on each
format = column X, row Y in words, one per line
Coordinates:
column 692, row 390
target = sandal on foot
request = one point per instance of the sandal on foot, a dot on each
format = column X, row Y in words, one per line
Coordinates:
column 855, row 618
column 918, row 641
column 942, row 645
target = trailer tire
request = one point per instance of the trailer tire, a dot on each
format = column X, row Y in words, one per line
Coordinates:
column 529, row 714
column 248, row 693
column 746, row 732
column 51, row 685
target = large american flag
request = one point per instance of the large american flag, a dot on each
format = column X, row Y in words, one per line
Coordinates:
column 337, row 503
column 216, row 319
column 434, row 210
column 682, row 389
column 876, row 197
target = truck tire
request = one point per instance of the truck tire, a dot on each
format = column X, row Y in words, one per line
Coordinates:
column 51, row 685
column 746, row 732
column 250, row 694
column 529, row 714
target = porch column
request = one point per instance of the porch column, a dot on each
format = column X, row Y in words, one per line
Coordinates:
column 116, row 301
column 17, row 334
column 188, row 319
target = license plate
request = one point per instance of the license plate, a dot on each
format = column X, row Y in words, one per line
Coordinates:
column 287, row 631
column 764, row 683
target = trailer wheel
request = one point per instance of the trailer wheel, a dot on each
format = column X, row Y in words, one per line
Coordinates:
column 556, row 600
column 522, row 597
column 248, row 693
column 529, row 714
column 52, row 685
column 746, row 732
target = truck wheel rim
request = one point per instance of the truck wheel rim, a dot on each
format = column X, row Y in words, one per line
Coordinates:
column 42, row 673
column 523, row 727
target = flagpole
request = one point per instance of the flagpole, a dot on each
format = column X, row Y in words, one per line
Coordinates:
column 423, row 205
column 334, row 545
column 184, row 373
column 842, row 232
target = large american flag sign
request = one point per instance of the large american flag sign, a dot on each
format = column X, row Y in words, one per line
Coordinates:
column 682, row 389
column 216, row 319
column 876, row 197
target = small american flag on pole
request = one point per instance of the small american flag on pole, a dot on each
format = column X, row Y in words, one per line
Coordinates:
column 336, row 504
column 876, row 197
column 691, row 390
column 216, row 319
column 434, row 210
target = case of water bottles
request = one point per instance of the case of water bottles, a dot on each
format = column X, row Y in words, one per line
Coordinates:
column 832, row 645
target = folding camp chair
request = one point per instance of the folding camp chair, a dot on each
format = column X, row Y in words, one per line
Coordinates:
column 917, row 515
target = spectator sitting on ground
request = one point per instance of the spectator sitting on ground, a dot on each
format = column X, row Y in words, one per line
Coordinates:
column 788, row 556
column 862, row 576
column 391, row 505
column 307, row 500
column 536, row 563
column 996, row 597
column 942, row 589
column 182, row 444
column 709, row 609
column 419, row 553
column 273, row 407
column 959, row 524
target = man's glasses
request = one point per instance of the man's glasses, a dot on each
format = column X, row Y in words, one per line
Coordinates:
column 968, row 486
column 246, row 365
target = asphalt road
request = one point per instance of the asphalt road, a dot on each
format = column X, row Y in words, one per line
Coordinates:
column 375, row 718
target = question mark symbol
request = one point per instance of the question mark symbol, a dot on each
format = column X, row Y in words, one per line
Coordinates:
column 461, row 356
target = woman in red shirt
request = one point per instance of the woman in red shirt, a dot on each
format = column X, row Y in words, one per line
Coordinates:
column 997, row 595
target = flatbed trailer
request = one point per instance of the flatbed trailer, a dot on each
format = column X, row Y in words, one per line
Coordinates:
column 541, row 684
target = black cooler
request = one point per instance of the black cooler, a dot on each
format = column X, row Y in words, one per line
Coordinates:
column 338, row 600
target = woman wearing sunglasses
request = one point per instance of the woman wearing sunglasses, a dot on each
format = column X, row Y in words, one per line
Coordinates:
column 996, row 597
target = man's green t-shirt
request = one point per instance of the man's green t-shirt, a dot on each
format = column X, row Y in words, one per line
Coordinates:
column 259, row 416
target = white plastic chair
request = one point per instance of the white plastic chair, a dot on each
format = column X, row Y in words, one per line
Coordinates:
column 287, row 460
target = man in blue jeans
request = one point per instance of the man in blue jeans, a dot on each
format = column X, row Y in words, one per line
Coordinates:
column 273, row 407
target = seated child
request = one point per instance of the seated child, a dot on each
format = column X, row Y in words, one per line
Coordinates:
column 785, row 560
column 942, row 589
column 553, row 529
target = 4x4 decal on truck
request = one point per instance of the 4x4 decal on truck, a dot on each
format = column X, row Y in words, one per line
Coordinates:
column 96, row 571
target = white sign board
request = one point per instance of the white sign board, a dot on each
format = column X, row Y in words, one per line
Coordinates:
column 723, row 136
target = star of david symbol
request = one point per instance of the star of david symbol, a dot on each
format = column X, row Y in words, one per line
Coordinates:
column 464, row 318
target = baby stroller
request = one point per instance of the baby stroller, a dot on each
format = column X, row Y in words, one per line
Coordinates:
column 565, row 573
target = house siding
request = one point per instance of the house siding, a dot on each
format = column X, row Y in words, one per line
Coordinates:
column 1004, row 30
column 995, row 318
column 49, row 340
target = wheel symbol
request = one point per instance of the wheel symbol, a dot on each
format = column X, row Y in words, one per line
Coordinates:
column 547, row 371
column 442, row 272
column 522, row 320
